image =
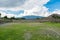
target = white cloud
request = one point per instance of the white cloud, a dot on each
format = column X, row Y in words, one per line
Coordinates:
column 3, row 14
column 56, row 12
column 30, row 4
column 11, row 3
column 8, row 15
column 32, row 7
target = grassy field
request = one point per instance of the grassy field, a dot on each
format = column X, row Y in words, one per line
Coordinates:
column 30, row 31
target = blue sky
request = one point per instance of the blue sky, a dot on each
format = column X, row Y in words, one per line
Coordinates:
column 53, row 5
column 29, row 7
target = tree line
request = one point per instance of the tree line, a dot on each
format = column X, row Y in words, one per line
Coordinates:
column 5, row 17
column 55, row 18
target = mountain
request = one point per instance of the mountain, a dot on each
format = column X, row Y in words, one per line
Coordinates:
column 32, row 17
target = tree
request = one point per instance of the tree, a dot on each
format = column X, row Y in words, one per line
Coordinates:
column 38, row 18
column 0, row 15
column 22, row 18
column 5, row 17
column 12, row 18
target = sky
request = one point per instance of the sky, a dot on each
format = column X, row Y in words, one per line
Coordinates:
column 53, row 5
column 20, row 8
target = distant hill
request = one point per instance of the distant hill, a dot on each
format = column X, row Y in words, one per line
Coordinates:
column 54, row 16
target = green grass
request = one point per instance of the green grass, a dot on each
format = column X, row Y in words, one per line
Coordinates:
column 30, row 31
